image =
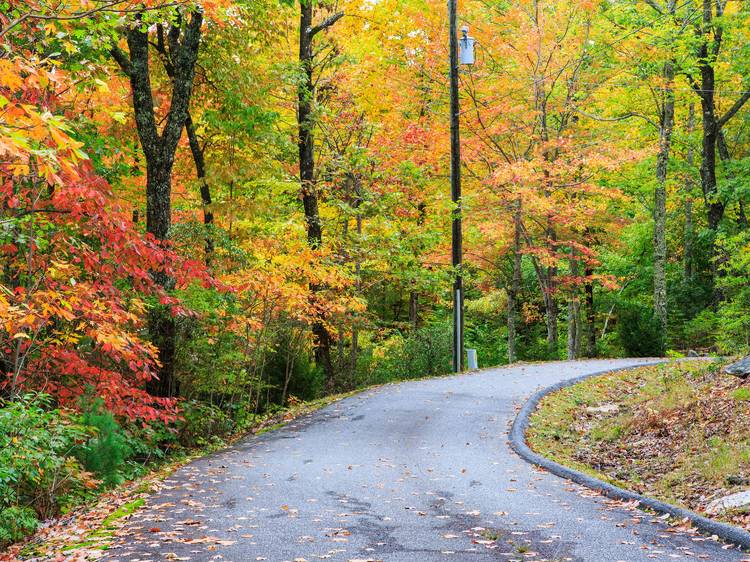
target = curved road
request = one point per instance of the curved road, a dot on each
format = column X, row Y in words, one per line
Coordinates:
column 418, row 471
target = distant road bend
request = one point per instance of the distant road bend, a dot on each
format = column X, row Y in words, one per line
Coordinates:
column 418, row 471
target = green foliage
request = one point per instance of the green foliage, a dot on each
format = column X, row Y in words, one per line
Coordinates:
column 742, row 394
column 485, row 328
column 639, row 331
column 15, row 523
column 422, row 352
column 106, row 452
column 202, row 424
column 38, row 474
column 733, row 319
column 701, row 330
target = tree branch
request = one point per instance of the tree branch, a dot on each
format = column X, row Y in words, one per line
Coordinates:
column 733, row 110
column 325, row 24
column 122, row 59
column 655, row 5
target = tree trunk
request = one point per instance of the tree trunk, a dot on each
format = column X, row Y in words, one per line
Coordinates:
column 574, row 306
column 660, row 198
column 159, row 150
column 515, row 283
column 306, row 147
column 590, row 314
column 551, row 320
column 413, row 309
column 573, row 328
column 688, row 228
column 200, row 172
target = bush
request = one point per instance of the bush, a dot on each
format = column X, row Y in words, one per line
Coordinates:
column 106, row 452
column 202, row 423
column 422, row 352
column 38, row 474
column 640, row 332
column 701, row 330
column 16, row 523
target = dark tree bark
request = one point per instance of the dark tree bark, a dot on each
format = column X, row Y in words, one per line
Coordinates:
column 200, row 171
column 196, row 150
column 574, row 306
column 515, row 283
column 590, row 313
column 159, row 149
column 414, row 294
column 688, row 228
column 306, row 146
column 660, row 196
column 711, row 34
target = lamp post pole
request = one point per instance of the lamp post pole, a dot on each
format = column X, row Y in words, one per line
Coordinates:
column 456, row 235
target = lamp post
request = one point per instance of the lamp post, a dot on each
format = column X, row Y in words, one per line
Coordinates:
column 461, row 52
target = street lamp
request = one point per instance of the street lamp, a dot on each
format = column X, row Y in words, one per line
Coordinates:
column 461, row 52
column 466, row 47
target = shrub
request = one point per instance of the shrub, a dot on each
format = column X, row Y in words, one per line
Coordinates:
column 38, row 474
column 422, row 352
column 201, row 423
column 16, row 523
column 106, row 452
column 640, row 332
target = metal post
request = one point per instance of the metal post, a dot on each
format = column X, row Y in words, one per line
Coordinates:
column 458, row 297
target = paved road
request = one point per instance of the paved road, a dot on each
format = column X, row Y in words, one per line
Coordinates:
column 419, row 471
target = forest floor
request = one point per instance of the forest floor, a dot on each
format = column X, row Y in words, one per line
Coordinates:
column 87, row 531
column 678, row 432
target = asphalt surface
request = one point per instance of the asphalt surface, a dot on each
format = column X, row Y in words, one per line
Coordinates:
column 418, row 471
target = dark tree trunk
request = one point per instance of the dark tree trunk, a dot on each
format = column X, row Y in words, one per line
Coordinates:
column 574, row 306
column 590, row 314
column 413, row 308
column 706, row 92
column 551, row 313
column 515, row 283
column 159, row 149
column 306, row 146
column 306, row 140
column 660, row 197
column 200, row 171
column 688, row 229
column 711, row 34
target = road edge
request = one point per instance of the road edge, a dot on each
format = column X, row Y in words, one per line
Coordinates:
column 517, row 440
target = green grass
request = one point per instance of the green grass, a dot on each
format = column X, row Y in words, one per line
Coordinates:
column 681, row 432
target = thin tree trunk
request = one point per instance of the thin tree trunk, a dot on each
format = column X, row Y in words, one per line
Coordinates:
column 515, row 283
column 357, row 278
column 573, row 314
column 708, row 143
column 660, row 198
column 551, row 320
column 590, row 314
column 688, row 228
column 200, row 172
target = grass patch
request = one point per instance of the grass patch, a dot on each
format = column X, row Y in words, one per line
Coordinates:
column 679, row 432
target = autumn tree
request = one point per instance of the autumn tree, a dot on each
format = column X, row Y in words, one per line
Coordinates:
column 306, row 104
column 178, row 38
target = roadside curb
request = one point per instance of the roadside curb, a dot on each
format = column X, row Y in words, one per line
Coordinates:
column 517, row 440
